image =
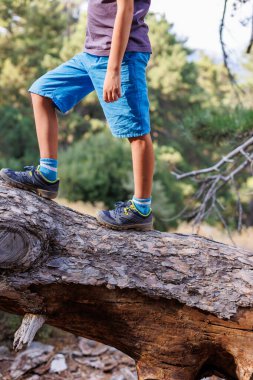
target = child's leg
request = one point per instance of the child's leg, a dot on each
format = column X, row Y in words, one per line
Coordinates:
column 143, row 165
column 47, row 133
column 128, row 117
column 46, row 126
column 62, row 87
column 124, row 216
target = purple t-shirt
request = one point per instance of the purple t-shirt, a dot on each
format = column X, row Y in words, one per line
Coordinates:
column 100, row 23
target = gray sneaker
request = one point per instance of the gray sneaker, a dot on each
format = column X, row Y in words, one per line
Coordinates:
column 31, row 179
column 125, row 216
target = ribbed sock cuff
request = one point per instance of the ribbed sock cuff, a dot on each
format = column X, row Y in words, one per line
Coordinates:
column 143, row 205
column 48, row 168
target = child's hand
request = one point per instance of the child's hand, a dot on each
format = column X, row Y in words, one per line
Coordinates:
column 112, row 86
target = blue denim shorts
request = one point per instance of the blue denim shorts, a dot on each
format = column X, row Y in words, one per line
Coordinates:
column 71, row 81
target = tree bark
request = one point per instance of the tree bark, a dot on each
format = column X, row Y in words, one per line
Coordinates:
column 179, row 305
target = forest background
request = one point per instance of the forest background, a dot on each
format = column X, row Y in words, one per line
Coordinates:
column 195, row 116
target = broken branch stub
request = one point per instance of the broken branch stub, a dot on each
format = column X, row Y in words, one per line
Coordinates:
column 30, row 325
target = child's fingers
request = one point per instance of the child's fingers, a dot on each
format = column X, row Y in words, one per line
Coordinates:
column 106, row 96
column 116, row 94
column 111, row 96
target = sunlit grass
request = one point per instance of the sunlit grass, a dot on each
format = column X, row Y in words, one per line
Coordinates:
column 83, row 207
column 243, row 239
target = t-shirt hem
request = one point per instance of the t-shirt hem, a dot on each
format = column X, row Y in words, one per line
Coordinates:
column 106, row 53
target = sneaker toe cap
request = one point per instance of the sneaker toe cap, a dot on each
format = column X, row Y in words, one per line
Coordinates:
column 8, row 172
column 104, row 216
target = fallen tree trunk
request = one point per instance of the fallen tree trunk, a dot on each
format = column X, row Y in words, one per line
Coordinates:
column 180, row 305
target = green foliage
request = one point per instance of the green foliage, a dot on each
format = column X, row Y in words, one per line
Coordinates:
column 31, row 44
column 30, row 35
column 172, row 78
column 219, row 124
column 94, row 168
column 212, row 78
column 9, row 324
column 17, row 135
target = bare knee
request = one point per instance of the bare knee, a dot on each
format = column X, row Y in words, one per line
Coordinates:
column 40, row 99
column 139, row 139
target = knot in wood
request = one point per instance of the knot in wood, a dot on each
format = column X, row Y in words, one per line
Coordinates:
column 18, row 247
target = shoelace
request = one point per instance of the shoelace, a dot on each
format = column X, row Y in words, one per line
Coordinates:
column 28, row 168
column 31, row 169
column 119, row 205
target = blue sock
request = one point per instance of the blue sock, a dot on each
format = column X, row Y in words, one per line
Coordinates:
column 143, row 205
column 48, row 168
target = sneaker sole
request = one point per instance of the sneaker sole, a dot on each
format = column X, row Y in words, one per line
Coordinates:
column 42, row 193
column 138, row 227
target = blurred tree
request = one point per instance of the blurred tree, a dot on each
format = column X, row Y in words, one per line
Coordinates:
column 172, row 78
column 28, row 36
column 212, row 78
column 94, row 169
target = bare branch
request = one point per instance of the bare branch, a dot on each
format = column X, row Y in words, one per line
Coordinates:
column 223, row 45
column 231, row 77
column 225, row 159
column 227, row 168
column 251, row 38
